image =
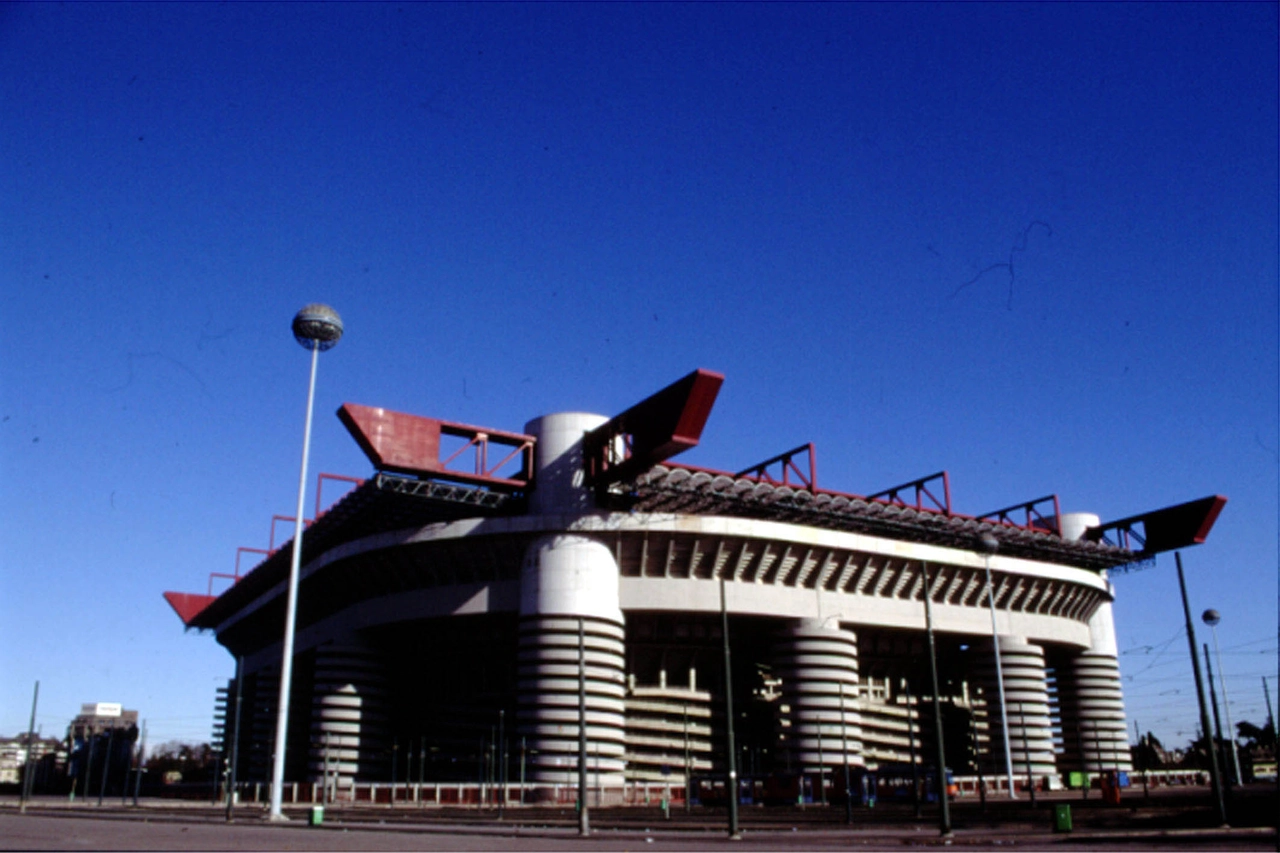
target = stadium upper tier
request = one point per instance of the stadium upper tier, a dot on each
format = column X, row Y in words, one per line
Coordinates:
column 627, row 459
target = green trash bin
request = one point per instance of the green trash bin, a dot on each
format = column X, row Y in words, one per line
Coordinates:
column 1062, row 817
column 316, row 816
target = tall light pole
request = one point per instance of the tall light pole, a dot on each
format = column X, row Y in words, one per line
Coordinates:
column 1215, row 780
column 731, row 781
column 1212, row 618
column 317, row 328
column 989, row 545
column 584, row 821
column 944, row 814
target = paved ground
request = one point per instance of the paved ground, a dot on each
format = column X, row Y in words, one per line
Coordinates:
column 1173, row 821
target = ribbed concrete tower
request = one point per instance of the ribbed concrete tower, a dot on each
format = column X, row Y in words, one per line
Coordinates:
column 348, row 715
column 818, row 667
column 1026, row 691
column 1091, row 703
column 569, row 583
column 1090, row 698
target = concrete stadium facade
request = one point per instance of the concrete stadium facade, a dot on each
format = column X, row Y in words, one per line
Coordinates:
column 436, row 607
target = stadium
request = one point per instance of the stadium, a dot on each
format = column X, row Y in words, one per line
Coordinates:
column 462, row 608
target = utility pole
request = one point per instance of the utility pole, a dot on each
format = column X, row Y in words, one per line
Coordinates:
column 731, row 783
column 689, row 770
column 324, row 776
column 1142, row 756
column 584, row 822
column 844, row 753
column 502, row 767
column 1216, row 741
column 28, row 766
column 142, row 757
column 944, row 816
column 1214, row 777
column 106, row 765
column 822, row 768
column 1026, row 753
column 911, row 746
column 1266, row 693
column 989, row 546
column 92, row 737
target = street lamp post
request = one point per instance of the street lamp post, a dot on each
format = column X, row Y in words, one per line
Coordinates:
column 235, row 743
column 317, row 328
column 911, row 748
column 1212, row 618
column 584, row 820
column 944, row 814
column 989, row 546
column 731, row 786
column 1215, row 740
column 844, row 756
column 1214, row 778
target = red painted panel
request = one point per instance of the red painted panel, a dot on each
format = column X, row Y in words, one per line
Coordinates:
column 188, row 604
column 410, row 444
column 394, row 441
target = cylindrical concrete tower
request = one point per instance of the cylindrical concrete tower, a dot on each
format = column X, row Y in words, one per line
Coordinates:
column 348, row 715
column 1026, row 692
column 1074, row 524
column 818, row 665
column 569, row 584
column 1090, row 699
column 1091, row 703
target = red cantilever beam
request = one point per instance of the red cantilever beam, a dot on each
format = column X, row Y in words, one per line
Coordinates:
column 410, row 444
column 1166, row 529
column 654, row 429
column 188, row 604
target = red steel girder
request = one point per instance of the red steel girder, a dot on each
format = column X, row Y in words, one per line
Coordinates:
column 922, row 490
column 292, row 519
column 341, row 478
column 1034, row 518
column 655, row 429
column 410, row 444
column 787, row 468
column 1165, row 529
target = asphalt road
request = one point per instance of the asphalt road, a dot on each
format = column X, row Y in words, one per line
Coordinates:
column 1169, row 823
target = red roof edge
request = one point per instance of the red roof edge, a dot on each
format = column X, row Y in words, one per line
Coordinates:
column 188, row 604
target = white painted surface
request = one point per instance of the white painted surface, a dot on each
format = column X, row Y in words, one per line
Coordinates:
column 1074, row 524
column 569, row 575
column 558, row 462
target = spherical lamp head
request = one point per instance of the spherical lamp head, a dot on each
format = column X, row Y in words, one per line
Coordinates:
column 1211, row 617
column 988, row 544
column 317, row 326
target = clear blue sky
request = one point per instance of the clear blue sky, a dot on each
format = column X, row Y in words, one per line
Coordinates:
column 520, row 209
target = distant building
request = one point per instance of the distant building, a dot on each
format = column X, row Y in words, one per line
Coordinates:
column 99, row 717
column 16, row 751
column 101, row 740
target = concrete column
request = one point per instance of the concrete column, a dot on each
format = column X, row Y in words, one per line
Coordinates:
column 1027, row 694
column 1091, row 703
column 1090, row 698
column 348, row 712
column 817, row 663
column 568, row 580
